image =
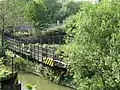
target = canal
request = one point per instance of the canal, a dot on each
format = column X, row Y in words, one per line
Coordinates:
column 42, row 84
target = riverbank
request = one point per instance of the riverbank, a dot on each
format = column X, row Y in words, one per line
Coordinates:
column 20, row 64
column 41, row 83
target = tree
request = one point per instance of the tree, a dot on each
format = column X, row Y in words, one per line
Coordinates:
column 4, row 5
column 52, row 9
column 68, row 8
column 94, row 52
column 44, row 12
column 10, row 15
column 35, row 13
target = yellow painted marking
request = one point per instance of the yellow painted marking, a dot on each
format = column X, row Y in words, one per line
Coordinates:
column 51, row 61
column 45, row 61
column 48, row 61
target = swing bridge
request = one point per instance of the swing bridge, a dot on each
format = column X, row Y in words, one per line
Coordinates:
column 44, row 55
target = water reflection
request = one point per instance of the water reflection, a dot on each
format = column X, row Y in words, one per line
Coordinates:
column 41, row 83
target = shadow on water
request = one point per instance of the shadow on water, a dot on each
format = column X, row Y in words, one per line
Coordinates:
column 42, row 84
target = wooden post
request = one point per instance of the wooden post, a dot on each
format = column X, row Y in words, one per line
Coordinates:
column 20, row 45
column 53, row 39
column 17, row 46
column 59, row 40
column 53, row 54
column 34, row 51
column 14, row 44
column 42, row 52
column 3, row 37
column 46, row 52
column 38, row 52
column 30, row 50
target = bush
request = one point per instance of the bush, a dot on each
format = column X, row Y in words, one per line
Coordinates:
column 59, row 30
column 94, row 52
column 19, row 62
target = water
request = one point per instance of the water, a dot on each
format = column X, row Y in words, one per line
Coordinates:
column 42, row 84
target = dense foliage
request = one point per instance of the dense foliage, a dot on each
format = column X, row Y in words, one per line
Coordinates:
column 68, row 8
column 93, row 46
column 58, row 30
column 35, row 13
column 44, row 12
column 92, row 40
column 11, row 13
column 4, row 71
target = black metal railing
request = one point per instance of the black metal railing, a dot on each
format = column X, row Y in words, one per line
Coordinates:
column 37, row 52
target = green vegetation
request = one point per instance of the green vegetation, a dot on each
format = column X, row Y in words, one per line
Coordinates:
column 44, row 12
column 19, row 63
column 0, row 46
column 30, row 87
column 57, row 30
column 4, row 71
column 93, row 45
column 19, row 33
column 38, row 14
column 22, row 65
column 68, row 8
column 35, row 13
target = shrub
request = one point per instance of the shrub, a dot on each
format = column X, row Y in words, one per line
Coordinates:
column 59, row 30
column 94, row 51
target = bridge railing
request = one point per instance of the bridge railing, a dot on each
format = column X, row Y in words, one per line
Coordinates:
column 36, row 51
column 42, row 54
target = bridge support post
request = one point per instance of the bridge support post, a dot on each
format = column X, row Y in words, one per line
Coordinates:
column 46, row 52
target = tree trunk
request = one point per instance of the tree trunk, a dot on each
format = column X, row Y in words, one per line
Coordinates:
column 3, row 29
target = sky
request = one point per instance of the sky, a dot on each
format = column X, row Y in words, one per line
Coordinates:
column 93, row 1
column 86, row 0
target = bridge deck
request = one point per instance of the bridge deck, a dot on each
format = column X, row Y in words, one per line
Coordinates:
column 43, row 55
